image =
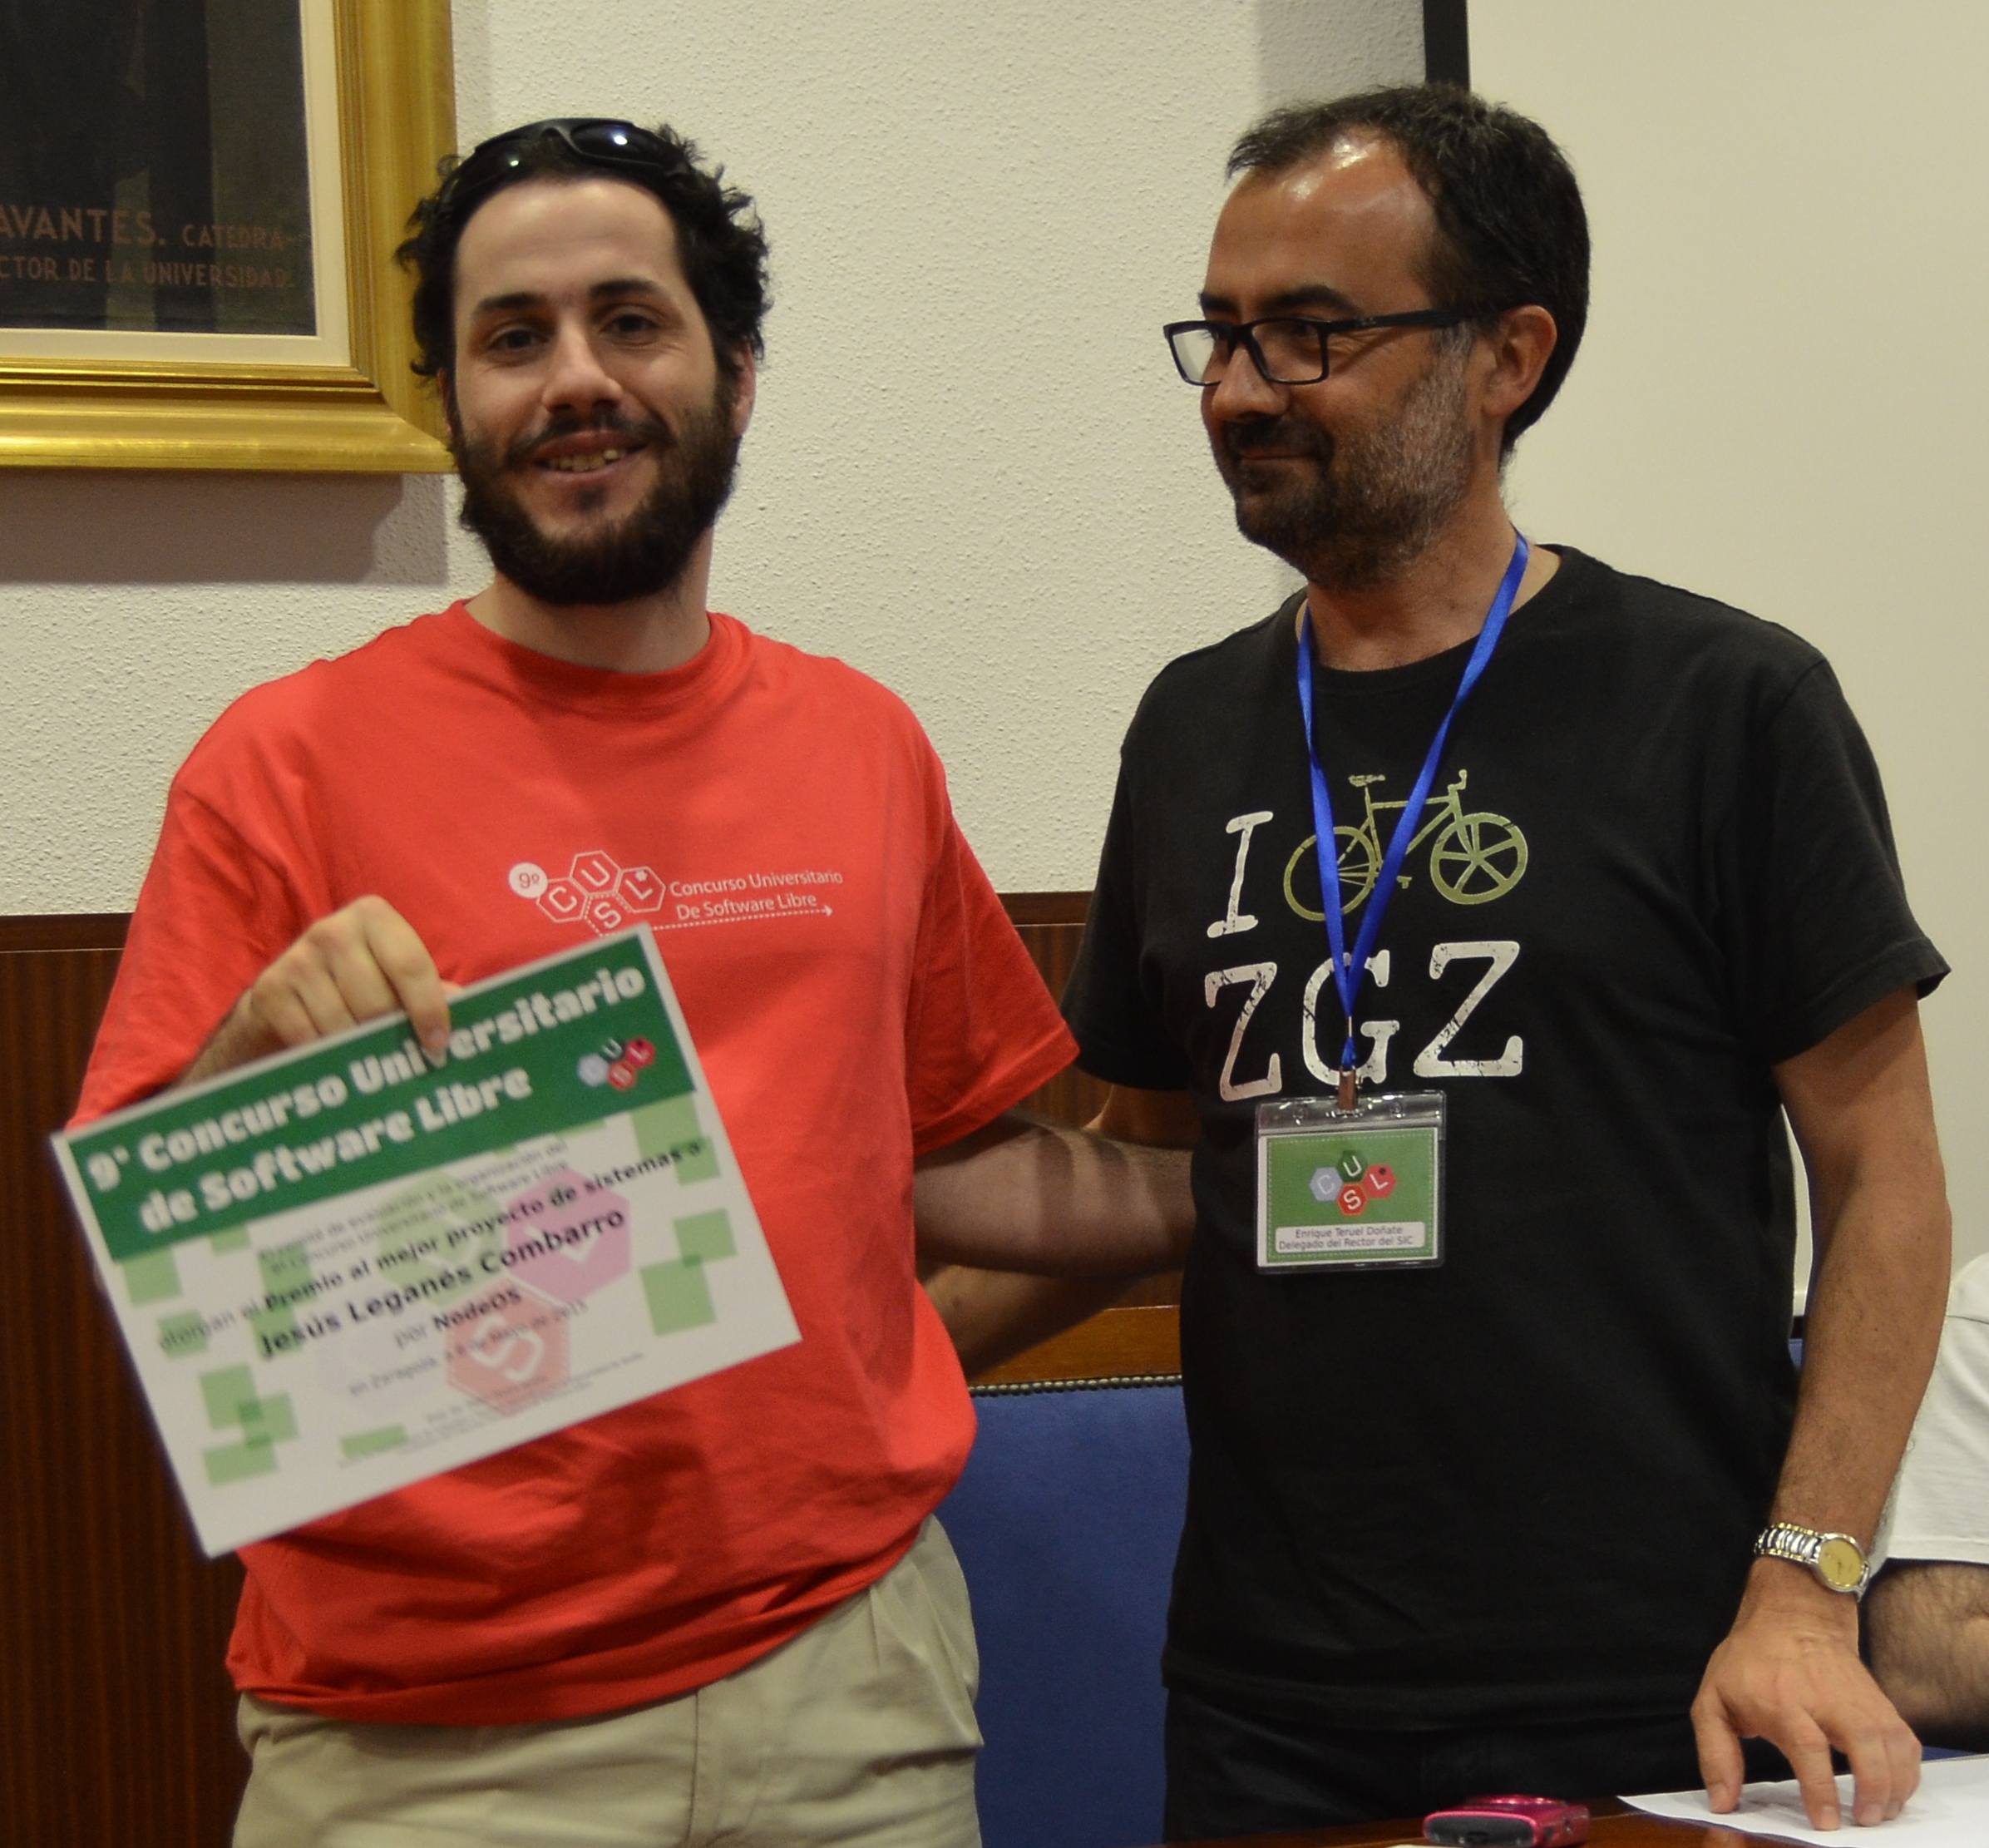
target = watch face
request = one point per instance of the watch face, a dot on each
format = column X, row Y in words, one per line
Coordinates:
column 1841, row 1564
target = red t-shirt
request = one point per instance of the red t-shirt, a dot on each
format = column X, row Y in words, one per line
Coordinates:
column 857, row 996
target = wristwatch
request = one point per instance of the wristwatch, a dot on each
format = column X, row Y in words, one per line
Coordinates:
column 1837, row 1559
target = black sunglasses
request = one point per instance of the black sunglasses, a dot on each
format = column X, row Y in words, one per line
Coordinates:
column 598, row 139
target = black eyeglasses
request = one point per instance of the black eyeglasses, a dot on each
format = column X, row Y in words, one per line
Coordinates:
column 600, row 140
column 1287, row 350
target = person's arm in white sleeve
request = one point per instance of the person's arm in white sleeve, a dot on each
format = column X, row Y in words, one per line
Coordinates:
column 1926, row 1615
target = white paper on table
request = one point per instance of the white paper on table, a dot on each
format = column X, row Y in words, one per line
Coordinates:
column 1950, row 1810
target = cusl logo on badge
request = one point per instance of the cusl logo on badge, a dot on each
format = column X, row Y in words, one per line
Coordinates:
column 617, row 1063
column 1352, row 1182
column 595, row 890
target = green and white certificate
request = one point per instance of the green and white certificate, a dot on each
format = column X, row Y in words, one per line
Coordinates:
column 351, row 1266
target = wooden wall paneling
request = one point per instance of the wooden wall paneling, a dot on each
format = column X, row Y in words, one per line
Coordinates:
column 1128, row 1341
column 70, row 930
column 1072, row 1096
column 118, row 1717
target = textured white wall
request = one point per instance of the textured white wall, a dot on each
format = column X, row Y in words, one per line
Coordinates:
column 1780, row 401
column 972, row 472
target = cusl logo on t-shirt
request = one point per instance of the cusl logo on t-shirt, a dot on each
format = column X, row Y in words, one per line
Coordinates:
column 599, row 892
column 593, row 891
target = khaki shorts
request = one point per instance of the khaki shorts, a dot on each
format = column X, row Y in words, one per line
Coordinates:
column 859, row 1730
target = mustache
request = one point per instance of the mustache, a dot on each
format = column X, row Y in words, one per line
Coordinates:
column 648, row 432
column 1278, row 436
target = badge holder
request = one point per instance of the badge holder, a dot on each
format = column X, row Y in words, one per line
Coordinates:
column 1354, row 1189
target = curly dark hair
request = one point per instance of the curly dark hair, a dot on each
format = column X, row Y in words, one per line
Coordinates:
column 721, row 243
column 1510, row 227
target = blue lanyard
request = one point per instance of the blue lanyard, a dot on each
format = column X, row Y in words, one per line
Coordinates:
column 1350, row 972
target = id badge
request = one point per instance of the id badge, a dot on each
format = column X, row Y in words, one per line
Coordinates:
column 1360, row 1189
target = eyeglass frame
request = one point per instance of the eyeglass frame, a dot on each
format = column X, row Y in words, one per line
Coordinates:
column 1240, row 334
column 465, row 194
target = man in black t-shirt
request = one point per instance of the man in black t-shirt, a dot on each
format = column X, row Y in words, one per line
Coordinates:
column 1501, row 1524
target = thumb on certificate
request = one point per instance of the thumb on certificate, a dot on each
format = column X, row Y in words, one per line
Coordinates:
column 401, row 955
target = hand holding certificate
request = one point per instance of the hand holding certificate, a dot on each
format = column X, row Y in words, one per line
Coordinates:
column 360, row 1263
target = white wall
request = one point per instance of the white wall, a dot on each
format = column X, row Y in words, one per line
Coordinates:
column 972, row 473
column 1780, row 400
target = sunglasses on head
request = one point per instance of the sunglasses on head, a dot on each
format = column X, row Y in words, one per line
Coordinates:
column 600, row 140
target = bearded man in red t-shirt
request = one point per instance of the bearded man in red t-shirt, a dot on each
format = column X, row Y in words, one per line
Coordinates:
column 724, row 1612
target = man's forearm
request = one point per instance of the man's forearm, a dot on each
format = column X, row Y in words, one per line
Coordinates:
column 229, row 1045
column 1872, row 1326
column 1862, row 1113
column 1034, row 1197
column 1788, row 1670
column 1927, row 1622
column 993, row 1316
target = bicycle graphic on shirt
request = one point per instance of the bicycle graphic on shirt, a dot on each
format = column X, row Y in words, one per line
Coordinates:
column 1475, row 857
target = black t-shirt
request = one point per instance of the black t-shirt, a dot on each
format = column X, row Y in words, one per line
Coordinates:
column 1524, row 1486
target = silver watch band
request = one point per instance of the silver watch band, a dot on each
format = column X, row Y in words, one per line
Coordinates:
column 1804, row 1546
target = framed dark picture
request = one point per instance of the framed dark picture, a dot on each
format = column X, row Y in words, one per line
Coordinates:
column 199, row 205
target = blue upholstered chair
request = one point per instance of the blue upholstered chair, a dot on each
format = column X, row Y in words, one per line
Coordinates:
column 1066, row 1523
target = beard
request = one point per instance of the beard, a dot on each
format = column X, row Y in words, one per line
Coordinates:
column 644, row 552
column 1370, row 503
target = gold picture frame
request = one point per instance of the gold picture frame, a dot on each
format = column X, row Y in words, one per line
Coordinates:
column 396, row 119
